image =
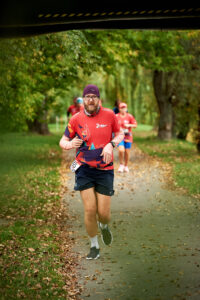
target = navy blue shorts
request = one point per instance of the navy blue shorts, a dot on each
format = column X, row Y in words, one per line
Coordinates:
column 102, row 180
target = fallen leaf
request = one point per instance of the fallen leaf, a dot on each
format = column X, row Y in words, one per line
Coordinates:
column 31, row 249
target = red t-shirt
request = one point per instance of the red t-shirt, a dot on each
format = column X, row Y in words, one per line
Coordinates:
column 73, row 109
column 96, row 132
column 127, row 119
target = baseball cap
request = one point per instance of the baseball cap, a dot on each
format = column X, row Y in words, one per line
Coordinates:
column 91, row 89
column 122, row 105
column 79, row 100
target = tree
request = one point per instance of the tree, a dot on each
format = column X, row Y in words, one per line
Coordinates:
column 113, row 54
column 163, row 53
column 55, row 67
column 38, row 73
column 34, row 70
column 163, row 83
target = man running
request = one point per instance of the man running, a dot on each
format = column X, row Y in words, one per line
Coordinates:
column 126, row 122
column 90, row 132
column 76, row 107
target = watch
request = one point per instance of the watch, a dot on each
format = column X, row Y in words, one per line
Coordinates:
column 113, row 144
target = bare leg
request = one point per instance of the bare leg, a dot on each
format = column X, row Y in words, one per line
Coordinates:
column 90, row 210
column 103, row 203
column 127, row 155
column 121, row 154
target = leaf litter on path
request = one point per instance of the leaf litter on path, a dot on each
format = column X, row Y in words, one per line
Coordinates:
column 155, row 249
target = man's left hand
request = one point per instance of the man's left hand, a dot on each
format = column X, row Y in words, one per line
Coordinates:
column 107, row 153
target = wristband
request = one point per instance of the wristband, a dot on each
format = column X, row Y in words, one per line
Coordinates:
column 113, row 144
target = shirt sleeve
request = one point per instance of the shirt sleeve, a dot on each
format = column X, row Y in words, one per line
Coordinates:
column 115, row 124
column 132, row 120
column 70, row 129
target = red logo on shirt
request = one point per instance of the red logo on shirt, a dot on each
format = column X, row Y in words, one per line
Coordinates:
column 85, row 133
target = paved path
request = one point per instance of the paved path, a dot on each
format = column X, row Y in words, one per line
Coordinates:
column 155, row 254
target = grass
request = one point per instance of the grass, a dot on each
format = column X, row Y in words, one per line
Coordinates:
column 30, row 254
column 182, row 155
column 57, row 128
column 143, row 128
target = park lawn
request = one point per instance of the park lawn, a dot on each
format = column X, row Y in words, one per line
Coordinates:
column 30, row 218
column 182, row 155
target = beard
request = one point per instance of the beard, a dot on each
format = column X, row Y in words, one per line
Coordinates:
column 91, row 107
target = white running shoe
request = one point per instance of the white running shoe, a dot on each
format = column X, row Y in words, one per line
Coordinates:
column 126, row 169
column 121, row 169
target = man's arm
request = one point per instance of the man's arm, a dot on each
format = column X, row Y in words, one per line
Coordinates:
column 130, row 125
column 119, row 136
column 66, row 144
column 108, row 149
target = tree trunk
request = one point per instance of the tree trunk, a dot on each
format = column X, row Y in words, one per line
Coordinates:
column 163, row 89
column 38, row 127
column 40, row 124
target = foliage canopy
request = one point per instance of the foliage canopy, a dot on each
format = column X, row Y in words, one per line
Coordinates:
column 41, row 75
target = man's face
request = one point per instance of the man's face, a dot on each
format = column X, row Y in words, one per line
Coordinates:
column 91, row 103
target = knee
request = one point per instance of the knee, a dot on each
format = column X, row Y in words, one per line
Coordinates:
column 127, row 152
column 104, row 217
column 121, row 150
column 90, row 213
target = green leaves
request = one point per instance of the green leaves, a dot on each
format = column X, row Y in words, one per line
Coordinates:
column 158, row 50
column 32, row 69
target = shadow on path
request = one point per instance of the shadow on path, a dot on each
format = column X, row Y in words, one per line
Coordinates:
column 155, row 254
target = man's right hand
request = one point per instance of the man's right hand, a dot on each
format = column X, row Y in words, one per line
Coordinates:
column 76, row 142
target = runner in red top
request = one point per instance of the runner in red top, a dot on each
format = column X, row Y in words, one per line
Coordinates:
column 90, row 132
column 96, row 133
column 126, row 122
column 76, row 107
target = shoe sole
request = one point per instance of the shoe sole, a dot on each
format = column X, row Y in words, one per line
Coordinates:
column 104, row 242
column 90, row 258
column 102, row 235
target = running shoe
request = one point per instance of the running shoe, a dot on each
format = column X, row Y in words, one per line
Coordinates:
column 94, row 253
column 106, row 236
column 126, row 169
column 121, row 169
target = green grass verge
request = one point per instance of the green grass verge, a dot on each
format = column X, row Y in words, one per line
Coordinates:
column 60, row 127
column 30, row 261
column 181, row 154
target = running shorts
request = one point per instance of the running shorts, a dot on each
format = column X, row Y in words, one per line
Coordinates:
column 126, row 145
column 87, row 177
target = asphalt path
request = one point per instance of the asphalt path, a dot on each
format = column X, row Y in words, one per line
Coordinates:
column 155, row 254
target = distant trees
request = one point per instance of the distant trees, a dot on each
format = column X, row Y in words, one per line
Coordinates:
column 163, row 53
column 33, row 71
column 174, row 60
column 157, row 73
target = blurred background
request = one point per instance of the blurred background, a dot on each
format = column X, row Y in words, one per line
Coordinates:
column 155, row 72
